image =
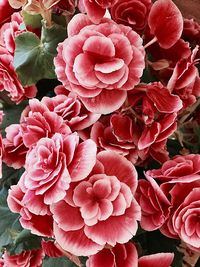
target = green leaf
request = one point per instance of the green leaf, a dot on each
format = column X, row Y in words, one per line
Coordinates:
column 12, row 236
column 58, row 262
column 24, row 241
column 10, row 176
column 34, row 21
column 12, row 115
column 154, row 242
column 33, row 58
column 9, row 222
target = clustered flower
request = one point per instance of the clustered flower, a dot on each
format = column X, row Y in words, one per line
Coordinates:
column 81, row 147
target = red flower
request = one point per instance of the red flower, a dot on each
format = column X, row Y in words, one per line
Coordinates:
column 185, row 80
column 133, row 13
column 31, row 258
column 154, row 204
column 66, row 5
column 5, row 11
column 100, row 77
column 50, row 249
column 165, row 22
column 180, row 179
column 98, row 206
column 140, row 129
column 126, row 255
column 96, row 9
column 179, row 168
column 74, row 114
column 121, row 255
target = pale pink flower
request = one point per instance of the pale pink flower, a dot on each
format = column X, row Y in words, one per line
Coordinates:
column 53, row 163
column 73, row 112
column 41, row 224
column 133, row 13
column 9, row 31
column 100, row 77
column 38, row 122
column 102, row 208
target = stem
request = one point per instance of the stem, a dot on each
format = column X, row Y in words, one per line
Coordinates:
column 190, row 257
column 190, row 111
column 150, row 42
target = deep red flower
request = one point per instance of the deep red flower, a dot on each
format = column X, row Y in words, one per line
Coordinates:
column 96, row 9
column 5, row 11
column 133, row 13
column 165, row 22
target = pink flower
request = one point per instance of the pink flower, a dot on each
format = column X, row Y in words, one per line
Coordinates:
column 126, row 255
column 1, row 145
column 191, row 32
column 139, row 130
column 180, row 181
column 41, row 224
column 96, row 9
column 9, row 80
column 180, row 167
column 74, row 114
column 9, row 31
column 185, row 80
column 5, row 11
column 98, row 206
column 100, row 77
column 14, row 149
column 31, row 258
column 154, row 204
column 38, row 122
column 158, row 260
column 50, row 249
column 185, row 219
column 53, row 163
column 133, row 13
